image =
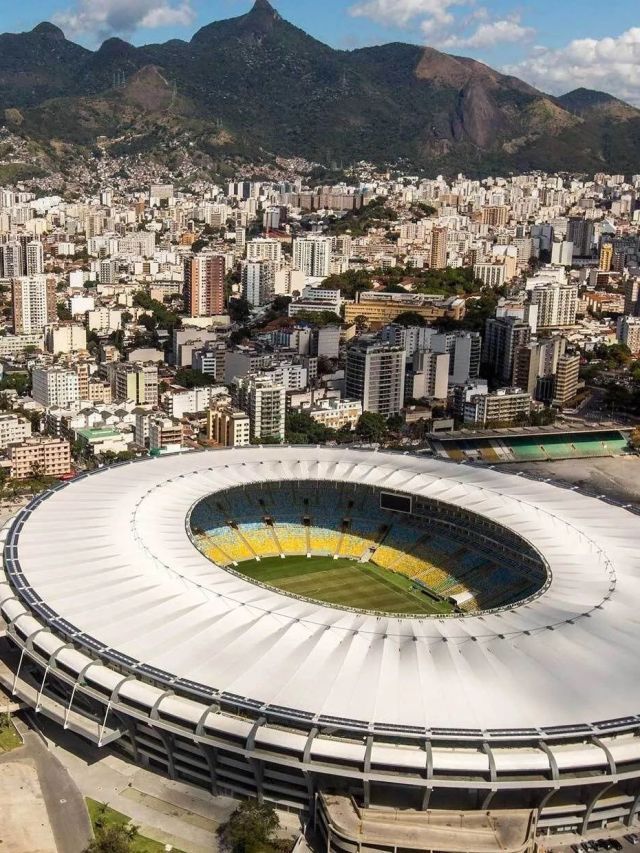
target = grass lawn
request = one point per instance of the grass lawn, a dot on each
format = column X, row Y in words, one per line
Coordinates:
column 345, row 582
column 9, row 738
column 108, row 816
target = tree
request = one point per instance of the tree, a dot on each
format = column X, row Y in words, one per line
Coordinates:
column 113, row 838
column 239, row 309
column 303, row 429
column 189, row 378
column 371, row 427
column 250, row 829
column 410, row 318
column 63, row 312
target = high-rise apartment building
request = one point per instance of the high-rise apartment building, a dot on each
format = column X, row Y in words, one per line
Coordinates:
column 502, row 337
column 258, row 281
column 228, row 427
column 12, row 260
column 438, row 259
column 34, row 258
column 265, row 401
column 137, row 382
column 495, row 215
column 264, row 249
column 204, row 285
column 580, row 232
column 34, row 303
column 606, row 257
column 375, row 374
column 55, row 386
column 557, row 304
column 566, row 382
column 312, row 255
column 629, row 333
column 465, row 349
column 632, row 297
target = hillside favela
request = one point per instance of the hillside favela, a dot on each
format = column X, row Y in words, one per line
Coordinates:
column 319, row 426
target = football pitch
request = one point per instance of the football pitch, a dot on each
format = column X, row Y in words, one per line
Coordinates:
column 344, row 582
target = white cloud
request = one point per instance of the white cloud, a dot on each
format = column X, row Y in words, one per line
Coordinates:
column 105, row 18
column 610, row 64
column 490, row 34
column 435, row 15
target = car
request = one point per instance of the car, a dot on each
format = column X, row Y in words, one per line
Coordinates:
column 616, row 844
column 632, row 838
column 576, row 848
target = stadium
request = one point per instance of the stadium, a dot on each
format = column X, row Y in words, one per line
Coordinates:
column 342, row 632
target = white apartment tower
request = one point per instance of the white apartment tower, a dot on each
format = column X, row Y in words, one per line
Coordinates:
column 265, row 401
column 312, row 255
column 34, row 258
column 557, row 304
column 34, row 304
column 55, row 386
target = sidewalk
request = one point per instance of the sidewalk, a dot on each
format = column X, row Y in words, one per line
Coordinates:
column 169, row 812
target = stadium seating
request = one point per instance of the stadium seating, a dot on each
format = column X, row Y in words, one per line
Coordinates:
column 340, row 521
column 323, row 540
column 260, row 539
column 292, row 538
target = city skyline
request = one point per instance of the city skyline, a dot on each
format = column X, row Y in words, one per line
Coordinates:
column 552, row 47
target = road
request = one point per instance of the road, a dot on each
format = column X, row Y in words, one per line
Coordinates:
column 64, row 802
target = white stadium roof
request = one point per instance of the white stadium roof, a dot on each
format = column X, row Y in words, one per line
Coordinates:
column 111, row 555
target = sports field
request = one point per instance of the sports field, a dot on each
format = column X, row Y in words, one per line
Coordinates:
column 345, row 582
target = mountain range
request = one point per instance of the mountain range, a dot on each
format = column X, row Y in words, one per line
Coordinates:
column 255, row 86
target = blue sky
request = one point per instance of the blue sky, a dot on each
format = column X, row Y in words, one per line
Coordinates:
column 555, row 44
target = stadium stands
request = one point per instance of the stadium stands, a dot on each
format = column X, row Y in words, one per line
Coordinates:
column 534, row 448
column 294, row 519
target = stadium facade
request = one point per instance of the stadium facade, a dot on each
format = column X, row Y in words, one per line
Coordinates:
column 119, row 629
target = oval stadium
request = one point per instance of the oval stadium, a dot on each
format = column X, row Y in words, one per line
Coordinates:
column 393, row 644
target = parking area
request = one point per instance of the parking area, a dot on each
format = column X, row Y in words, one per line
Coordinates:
column 625, row 843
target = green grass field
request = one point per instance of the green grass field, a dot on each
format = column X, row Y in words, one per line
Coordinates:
column 345, row 582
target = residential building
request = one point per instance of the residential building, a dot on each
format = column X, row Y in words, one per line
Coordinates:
column 265, row 403
column 55, row 386
column 491, row 274
column 34, row 304
column 580, row 232
column 628, row 330
column 39, row 455
column 464, row 349
column 429, row 376
column 65, row 338
column 137, row 382
column 13, row 428
column 228, row 427
column 438, row 259
column 204, row 285
column 165, row 433
column 557, row 304
column 567, row 379
column 312, row 255
column 502, row 337
column 178, row 401
column 335, row 414
column 506, row 405
column 104, row 321
column 264, row 249
column 258, row 282
column 34, row 258
column 375, row 375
